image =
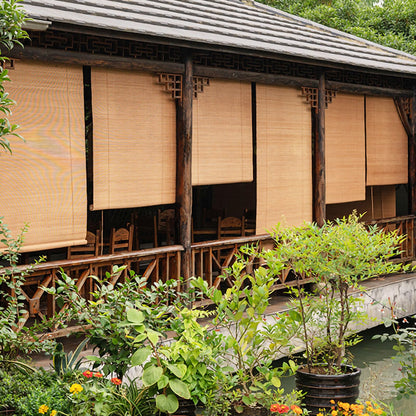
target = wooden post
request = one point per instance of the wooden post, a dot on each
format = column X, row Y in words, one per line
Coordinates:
column 412, row 157
column 183, row 168
column 319, row 199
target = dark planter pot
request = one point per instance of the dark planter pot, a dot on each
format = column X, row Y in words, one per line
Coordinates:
column 320, row 389
column 186, row 408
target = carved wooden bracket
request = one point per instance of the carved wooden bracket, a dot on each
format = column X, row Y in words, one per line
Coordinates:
column 405, row 104
column 199, row 84
column 311, row 95
column 404, row 110
column 173, row 84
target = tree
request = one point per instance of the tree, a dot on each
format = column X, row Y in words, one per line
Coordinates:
column 12, row 17
column 390, row 23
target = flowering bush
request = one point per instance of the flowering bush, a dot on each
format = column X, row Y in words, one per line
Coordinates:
column 285, row 409
column 347, row 409
column 90, row 394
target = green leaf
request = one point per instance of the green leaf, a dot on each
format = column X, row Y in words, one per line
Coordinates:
column 202, row 369
column 140, row 338
column 246, row 400
column 93, row 358
column 163, row 382
column 276, row 382
column 217, row 296
column 153, row 336
column 180, row 388
column 179, row 370
column 152, row 375
column 167, row 404
column 238, row 408
column 140, row 356
column 135, row 316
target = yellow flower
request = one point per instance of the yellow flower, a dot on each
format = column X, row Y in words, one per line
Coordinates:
column 319, row 414
column 334, row 413
column 43, row 409
column 53, row 413
column 344, row 406
column 76, row 388
column 296, row 409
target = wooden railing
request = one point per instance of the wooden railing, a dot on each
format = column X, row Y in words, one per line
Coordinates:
column 154, row 264
column 209, row 260
column 405, row 226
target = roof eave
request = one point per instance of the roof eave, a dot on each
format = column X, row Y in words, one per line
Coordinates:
column 184, row 43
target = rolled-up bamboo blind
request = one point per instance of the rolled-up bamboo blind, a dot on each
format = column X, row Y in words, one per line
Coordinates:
column 134, row 148
column 284, row 158
column 43, row 182
column 386, row 143
column 222, row 134
column 345, row 149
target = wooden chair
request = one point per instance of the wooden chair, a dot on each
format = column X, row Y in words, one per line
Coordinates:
column 91, row 249
column 121, row 239
column 166, row 226
column 231, row 227
column 210, row 216
column 250, row 222
column 145, row 230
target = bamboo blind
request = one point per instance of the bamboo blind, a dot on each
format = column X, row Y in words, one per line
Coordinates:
column 284, row 158
column 134, row 140
column 43, row 182
column 222, row 134
column 386, row 143
column 345, row 149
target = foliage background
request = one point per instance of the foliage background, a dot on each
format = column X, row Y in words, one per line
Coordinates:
column 390, row 23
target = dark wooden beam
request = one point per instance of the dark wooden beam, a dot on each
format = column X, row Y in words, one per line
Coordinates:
column 293, row 81
column 183, row 168
column 412, row 158
column 319, row 198
column 83, row 58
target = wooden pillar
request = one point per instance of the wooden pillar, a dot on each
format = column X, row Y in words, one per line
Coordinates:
column 319, row 199
column 412, row 157
column 183, row 168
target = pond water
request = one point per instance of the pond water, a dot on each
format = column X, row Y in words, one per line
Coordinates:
column 378, row 372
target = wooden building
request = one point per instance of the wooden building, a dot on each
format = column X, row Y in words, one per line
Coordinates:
column 131, row 107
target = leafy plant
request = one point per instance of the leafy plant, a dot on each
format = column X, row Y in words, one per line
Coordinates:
column 63, row 362
column 131, row 400
column 16, row 340
column 102, row 317
column 23, row 392
column 337, row 257
column 12, row 17
column 249, row 342
column 184, row 368
column 404, row 338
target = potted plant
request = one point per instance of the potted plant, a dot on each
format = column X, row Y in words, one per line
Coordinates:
column 336, row 257
column 249, row 342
